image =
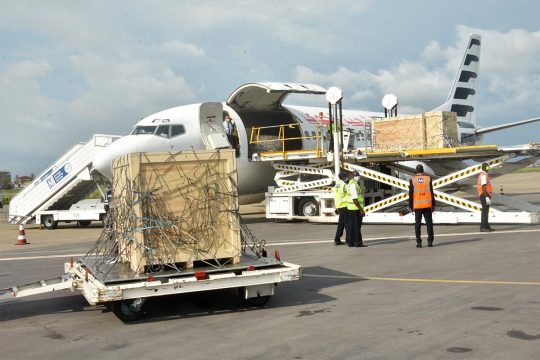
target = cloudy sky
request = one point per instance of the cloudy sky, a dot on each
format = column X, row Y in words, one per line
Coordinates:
column 70, row 69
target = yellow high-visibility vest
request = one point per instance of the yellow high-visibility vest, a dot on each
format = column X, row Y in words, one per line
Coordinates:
column 341, row 196
column 350, row 204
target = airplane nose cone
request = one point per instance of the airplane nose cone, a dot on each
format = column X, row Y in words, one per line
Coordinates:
column 103, row 163
column 103, row 160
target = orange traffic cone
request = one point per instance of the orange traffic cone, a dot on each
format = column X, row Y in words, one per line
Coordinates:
column 21, row 240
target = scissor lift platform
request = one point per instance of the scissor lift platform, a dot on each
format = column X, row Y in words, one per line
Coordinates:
column 305, row 191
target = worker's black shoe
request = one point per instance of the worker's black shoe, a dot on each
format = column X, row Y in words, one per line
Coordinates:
column 360, row 245
column 418, row 245
column 430, row 245
column 486, row 229
column 338, row 243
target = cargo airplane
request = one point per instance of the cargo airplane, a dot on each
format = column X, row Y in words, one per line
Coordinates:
column 199, row 126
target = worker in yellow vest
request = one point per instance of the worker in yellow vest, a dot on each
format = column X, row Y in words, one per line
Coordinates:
column 485, row 192
column 330, row 134
column 340, row 203
column 355, row 210
column 422, row 202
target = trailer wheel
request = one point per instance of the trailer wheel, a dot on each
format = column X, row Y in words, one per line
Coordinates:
column 258, row 301
column 84, row 223
column 128, row 310
column 48, row 221
column 253, row 301
column 308, row 207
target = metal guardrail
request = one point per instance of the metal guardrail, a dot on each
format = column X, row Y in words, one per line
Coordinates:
column 255, row 138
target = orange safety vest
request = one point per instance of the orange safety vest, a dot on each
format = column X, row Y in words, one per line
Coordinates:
column 489, row 189
column 422, row 192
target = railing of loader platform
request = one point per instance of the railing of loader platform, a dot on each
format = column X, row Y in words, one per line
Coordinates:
column 258, row 132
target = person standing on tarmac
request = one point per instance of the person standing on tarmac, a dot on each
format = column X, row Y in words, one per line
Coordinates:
column 340, row 203
column 422, row 202
column 355, row 210
column 484, row 192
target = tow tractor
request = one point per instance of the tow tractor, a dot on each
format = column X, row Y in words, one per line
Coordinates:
column 254, row 277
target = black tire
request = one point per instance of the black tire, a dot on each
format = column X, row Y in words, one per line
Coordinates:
column 258, row 301
column 84, row 223
column 125, row 311
column 251, row 302
column 308, row 207
column 48, row 222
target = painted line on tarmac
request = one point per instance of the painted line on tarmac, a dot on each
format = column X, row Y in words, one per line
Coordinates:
column 482, row 282
column 305, row 242
column 41, row 257
column 441, row 281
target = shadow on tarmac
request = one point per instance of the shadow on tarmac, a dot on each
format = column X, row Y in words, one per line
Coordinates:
column 182, row 306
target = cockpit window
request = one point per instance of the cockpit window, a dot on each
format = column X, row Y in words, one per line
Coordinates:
column 163, row 131
column 177, row 130
column 142, row 130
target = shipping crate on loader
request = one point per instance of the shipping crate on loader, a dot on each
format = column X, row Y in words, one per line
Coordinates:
column 430, row 130
column 176, row 209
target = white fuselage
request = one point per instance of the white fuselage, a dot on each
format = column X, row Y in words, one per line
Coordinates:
column 253, row 177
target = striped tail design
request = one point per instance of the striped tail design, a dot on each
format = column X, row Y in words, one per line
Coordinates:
column 461, row 97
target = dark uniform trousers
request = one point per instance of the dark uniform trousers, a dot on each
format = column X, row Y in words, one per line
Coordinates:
column 418, row 213
column 354, row 230
column 485, row 212
column 342, row 224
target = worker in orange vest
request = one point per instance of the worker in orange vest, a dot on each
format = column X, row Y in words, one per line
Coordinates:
column 422, row 202
column 484, row 192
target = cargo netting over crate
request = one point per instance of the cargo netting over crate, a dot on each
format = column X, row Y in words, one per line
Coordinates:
column 431, row 130
column 171, row 212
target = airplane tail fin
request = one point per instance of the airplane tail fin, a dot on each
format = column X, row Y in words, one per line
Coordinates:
column 461, row 97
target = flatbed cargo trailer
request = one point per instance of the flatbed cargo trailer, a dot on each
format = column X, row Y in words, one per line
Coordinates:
column 254, row 277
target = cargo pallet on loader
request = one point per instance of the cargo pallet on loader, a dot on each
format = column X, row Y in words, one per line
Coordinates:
column 254, row 277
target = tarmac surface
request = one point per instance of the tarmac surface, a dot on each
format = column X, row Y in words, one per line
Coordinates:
column 473, row 296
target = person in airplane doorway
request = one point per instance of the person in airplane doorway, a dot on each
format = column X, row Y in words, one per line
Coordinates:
column 340, row 203
column 485, row 192
column 422, row 202
column 355, row 210
column 231, row 132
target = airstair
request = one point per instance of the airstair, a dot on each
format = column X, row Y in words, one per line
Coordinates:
column 65, row 182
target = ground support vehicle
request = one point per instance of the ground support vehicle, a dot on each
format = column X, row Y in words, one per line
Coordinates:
column 83, row 212
column 254, row 277
column 304, row 185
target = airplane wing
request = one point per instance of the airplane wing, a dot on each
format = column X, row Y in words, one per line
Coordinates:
column 485, row 130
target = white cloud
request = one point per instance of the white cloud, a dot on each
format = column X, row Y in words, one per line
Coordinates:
column 181, row 49
column 71, row 69
column 123, row 90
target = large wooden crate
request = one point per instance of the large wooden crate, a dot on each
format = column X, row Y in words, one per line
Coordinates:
column 176, row 209
column 430, row 130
